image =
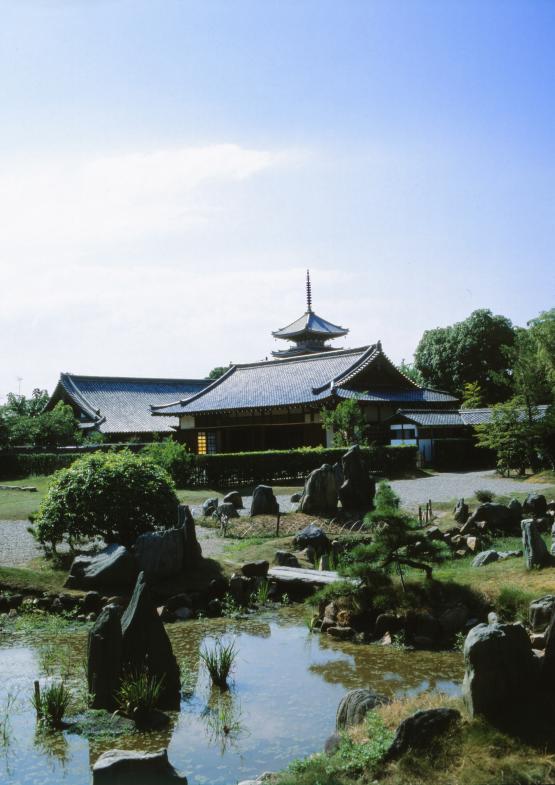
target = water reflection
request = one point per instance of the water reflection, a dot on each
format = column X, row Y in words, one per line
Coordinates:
column 285, row 690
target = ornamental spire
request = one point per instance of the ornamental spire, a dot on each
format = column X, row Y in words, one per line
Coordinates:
column 308, row 293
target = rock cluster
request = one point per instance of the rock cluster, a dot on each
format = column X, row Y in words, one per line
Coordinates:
column 348, row 482
column 159, row 554
column 134, row 643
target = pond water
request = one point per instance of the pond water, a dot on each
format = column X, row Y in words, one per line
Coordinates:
column 284, row 694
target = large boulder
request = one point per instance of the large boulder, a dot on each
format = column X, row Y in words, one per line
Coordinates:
column 461, row 511
column 357, row 490
column 209, row 506
column 535, row 505
column 104, row 652
column 540, row 612
column 160, row 554
column 255, row 569
column 500, row 671
column 535, row 549
column 420, row 730
column 146, row 646
column 355, row 705
column 286, row 559
column 320, row 492
column 113, row 568
column 263, row 501
column 497, row 517
column 130, row 767
column 312, row 536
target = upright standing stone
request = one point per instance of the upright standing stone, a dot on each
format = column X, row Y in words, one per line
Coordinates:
column 461, row 512
column 535, row 549
column 104, row 652
column 263, row 501
column 192, row 550
column 358, row 489
column 500, row 671
column 320, row 494
column 146, row 645
column 535, row 504
column 355, row 705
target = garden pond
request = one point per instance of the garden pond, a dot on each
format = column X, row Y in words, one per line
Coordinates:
column 285, row 689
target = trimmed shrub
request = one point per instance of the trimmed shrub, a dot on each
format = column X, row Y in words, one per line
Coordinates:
column 173, row 457
column 115, row 496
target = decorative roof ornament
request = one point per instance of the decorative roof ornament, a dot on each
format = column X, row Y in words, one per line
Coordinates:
column 310, row 332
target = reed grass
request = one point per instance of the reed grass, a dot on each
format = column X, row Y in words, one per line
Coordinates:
column 219, row 661
column 139, row 694
column 51, row 703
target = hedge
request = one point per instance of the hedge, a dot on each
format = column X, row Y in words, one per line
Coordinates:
column 227, row 470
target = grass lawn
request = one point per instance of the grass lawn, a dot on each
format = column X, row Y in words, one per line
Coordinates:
column 18, row 505
column 38, row 575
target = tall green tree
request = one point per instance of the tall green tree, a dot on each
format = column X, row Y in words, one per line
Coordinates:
column 411, row 371
column 514, row 432
column 20, row 406
column 473, row 350
column 346, row 421
column 473, row 397
column 218, row 371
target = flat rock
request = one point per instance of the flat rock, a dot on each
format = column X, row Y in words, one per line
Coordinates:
column 485, row 557
column 114, row 567
column 129, row 767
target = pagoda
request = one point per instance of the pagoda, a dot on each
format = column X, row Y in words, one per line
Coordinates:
column 309, row 332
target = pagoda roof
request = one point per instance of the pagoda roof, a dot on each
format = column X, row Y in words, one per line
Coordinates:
column 310, row 325
column 121, row 404
column 301, row 381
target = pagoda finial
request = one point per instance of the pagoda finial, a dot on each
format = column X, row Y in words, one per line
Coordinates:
column 308, row 293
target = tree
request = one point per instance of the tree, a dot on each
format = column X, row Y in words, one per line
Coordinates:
column 218, row 371
column 473, row 350
column 532, row 358
column 473, row 397
column 412, row 372
column 346, row 421
column 48, row 429
column 514, row 433
column 397, row 542
column 115, row 496
column 20, row 406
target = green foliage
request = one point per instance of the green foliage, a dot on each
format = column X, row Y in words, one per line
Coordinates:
column 348, row 764
column 57, row 427
column 20, row 406
column 469, row 351
column 514, row 433
column 512, row 603
column 410, row 370
column 173, row 457
column 218, row 371
column 385, row 500
column 347, row 423
column 484, row 496
column 397, row 542
column 139, row 694
column 51, row 704
column 115, row 496
column 473, row 397
column 219, row 661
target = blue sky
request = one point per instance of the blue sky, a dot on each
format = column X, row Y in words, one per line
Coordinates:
column 168, row 170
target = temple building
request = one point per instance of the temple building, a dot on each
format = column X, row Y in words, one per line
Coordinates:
column 267, row 405
column 276, row 404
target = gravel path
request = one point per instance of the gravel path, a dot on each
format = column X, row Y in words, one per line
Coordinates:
column 447, row 486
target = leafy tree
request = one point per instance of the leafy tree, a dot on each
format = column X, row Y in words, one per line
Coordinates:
column 346, row 421
column 57, row 427
column 4, row 431
column 472, row 396
column 218, row 371
column 115, row 496
column 514, row 434
column 410, row 370
column 397, row 542
column 532, row 358
column 20, row 406
column 173, row 457
column 469, row 351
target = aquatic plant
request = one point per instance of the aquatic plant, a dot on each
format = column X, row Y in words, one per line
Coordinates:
column 6, row 713
column 260, row 596
column 219, row 661
column 230, row 608
column 138, row 694
column 51, row 703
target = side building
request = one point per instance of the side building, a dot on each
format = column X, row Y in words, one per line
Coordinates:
column 119, row 406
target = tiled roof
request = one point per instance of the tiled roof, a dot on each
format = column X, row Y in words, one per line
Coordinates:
column 480, row 416
column 431, row 418
column 460, row 417
column 310, row 324
column 295, row 381
column 268, row 384
column 122, row 404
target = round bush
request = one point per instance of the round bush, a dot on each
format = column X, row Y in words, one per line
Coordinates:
column 115, row 496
